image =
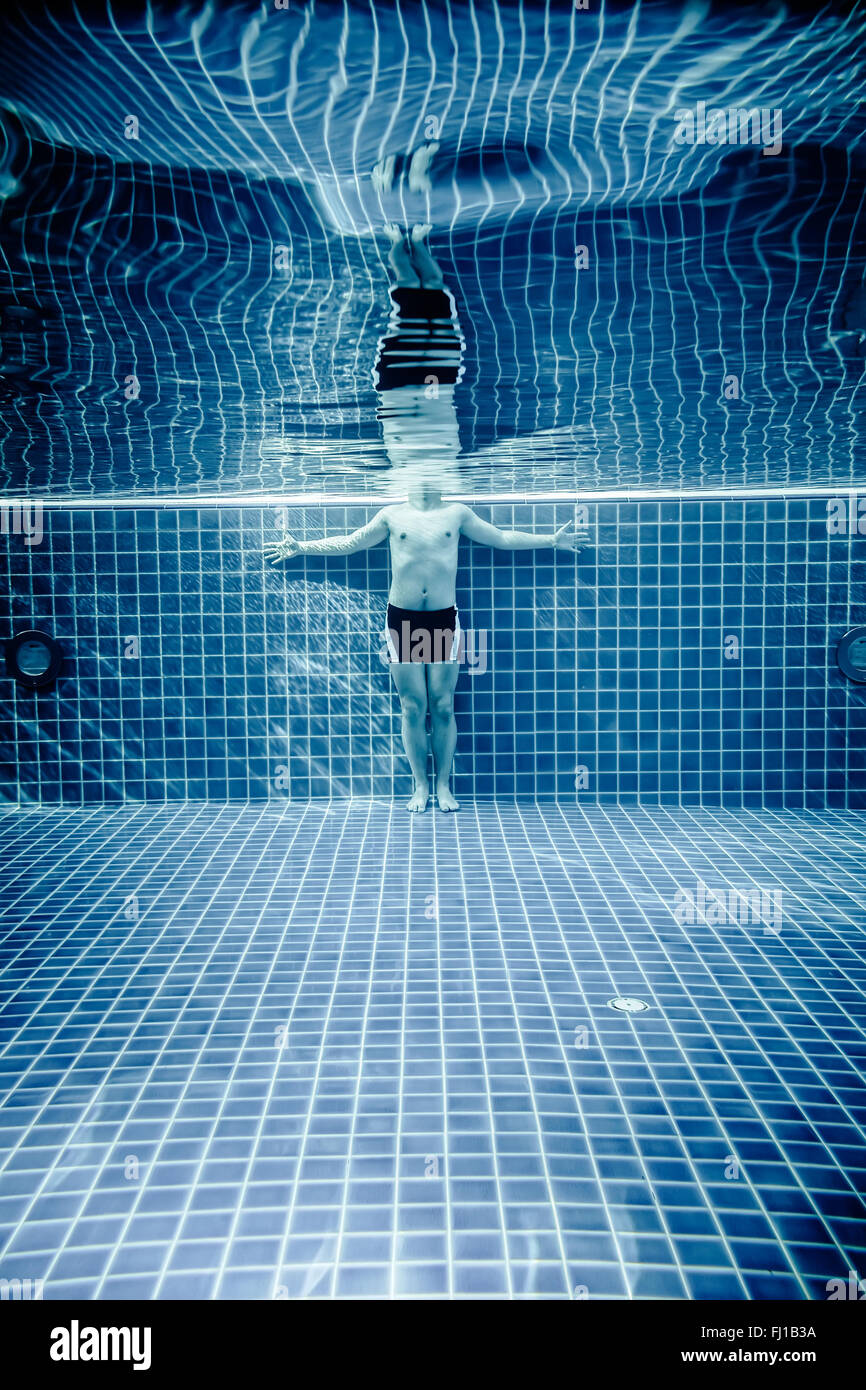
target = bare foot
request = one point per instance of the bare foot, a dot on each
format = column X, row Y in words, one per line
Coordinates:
column 393, row 233
column 418, row 799
column 446, row 800
column 420, row 230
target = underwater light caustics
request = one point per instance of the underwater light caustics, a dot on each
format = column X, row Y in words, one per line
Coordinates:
column 593, row 112
column 192, row 215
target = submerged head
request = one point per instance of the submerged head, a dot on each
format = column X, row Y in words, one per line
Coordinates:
column 424, row 483
column 425, row 494
column 420, row 434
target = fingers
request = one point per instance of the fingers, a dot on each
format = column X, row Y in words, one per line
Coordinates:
column 280, row 550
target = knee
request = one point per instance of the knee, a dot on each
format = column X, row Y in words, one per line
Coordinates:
column 414, row 709
column 442, row 707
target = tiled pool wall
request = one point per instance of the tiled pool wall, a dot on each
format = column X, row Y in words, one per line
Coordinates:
column 688, row 656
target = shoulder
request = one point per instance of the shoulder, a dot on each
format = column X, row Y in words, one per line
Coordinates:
column 385, row 515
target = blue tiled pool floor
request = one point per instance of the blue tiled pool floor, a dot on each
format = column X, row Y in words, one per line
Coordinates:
column 333, row 1050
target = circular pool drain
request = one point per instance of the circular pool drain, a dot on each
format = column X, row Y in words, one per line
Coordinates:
column 626, row 1005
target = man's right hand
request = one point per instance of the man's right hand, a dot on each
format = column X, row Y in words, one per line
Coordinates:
column 286, row 549
column 566, row 538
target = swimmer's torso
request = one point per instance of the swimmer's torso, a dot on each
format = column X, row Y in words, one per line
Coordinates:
column 424, row 555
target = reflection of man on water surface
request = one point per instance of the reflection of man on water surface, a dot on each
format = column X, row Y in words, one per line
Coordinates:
column 418, row 366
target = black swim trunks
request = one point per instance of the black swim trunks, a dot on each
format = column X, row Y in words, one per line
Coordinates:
column 423, row 341
column 429, row 636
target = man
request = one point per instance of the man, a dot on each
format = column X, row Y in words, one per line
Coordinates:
column 423, row 627
column 419, row 360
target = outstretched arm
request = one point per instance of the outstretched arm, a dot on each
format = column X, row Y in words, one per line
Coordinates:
column 481, row 531
column 286, row 549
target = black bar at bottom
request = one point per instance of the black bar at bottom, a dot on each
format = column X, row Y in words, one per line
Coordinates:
column 170, row 1339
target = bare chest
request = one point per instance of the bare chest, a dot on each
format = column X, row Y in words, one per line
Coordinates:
column 414, row 539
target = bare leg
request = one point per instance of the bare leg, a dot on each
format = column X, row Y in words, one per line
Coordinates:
column 401, row 261
column 427, row 270
column 382, row 177
column 412, row 689
column 441, row 680
column 419, row 168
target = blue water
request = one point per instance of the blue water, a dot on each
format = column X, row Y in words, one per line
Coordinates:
column 194, row 278
column 262, row 1033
